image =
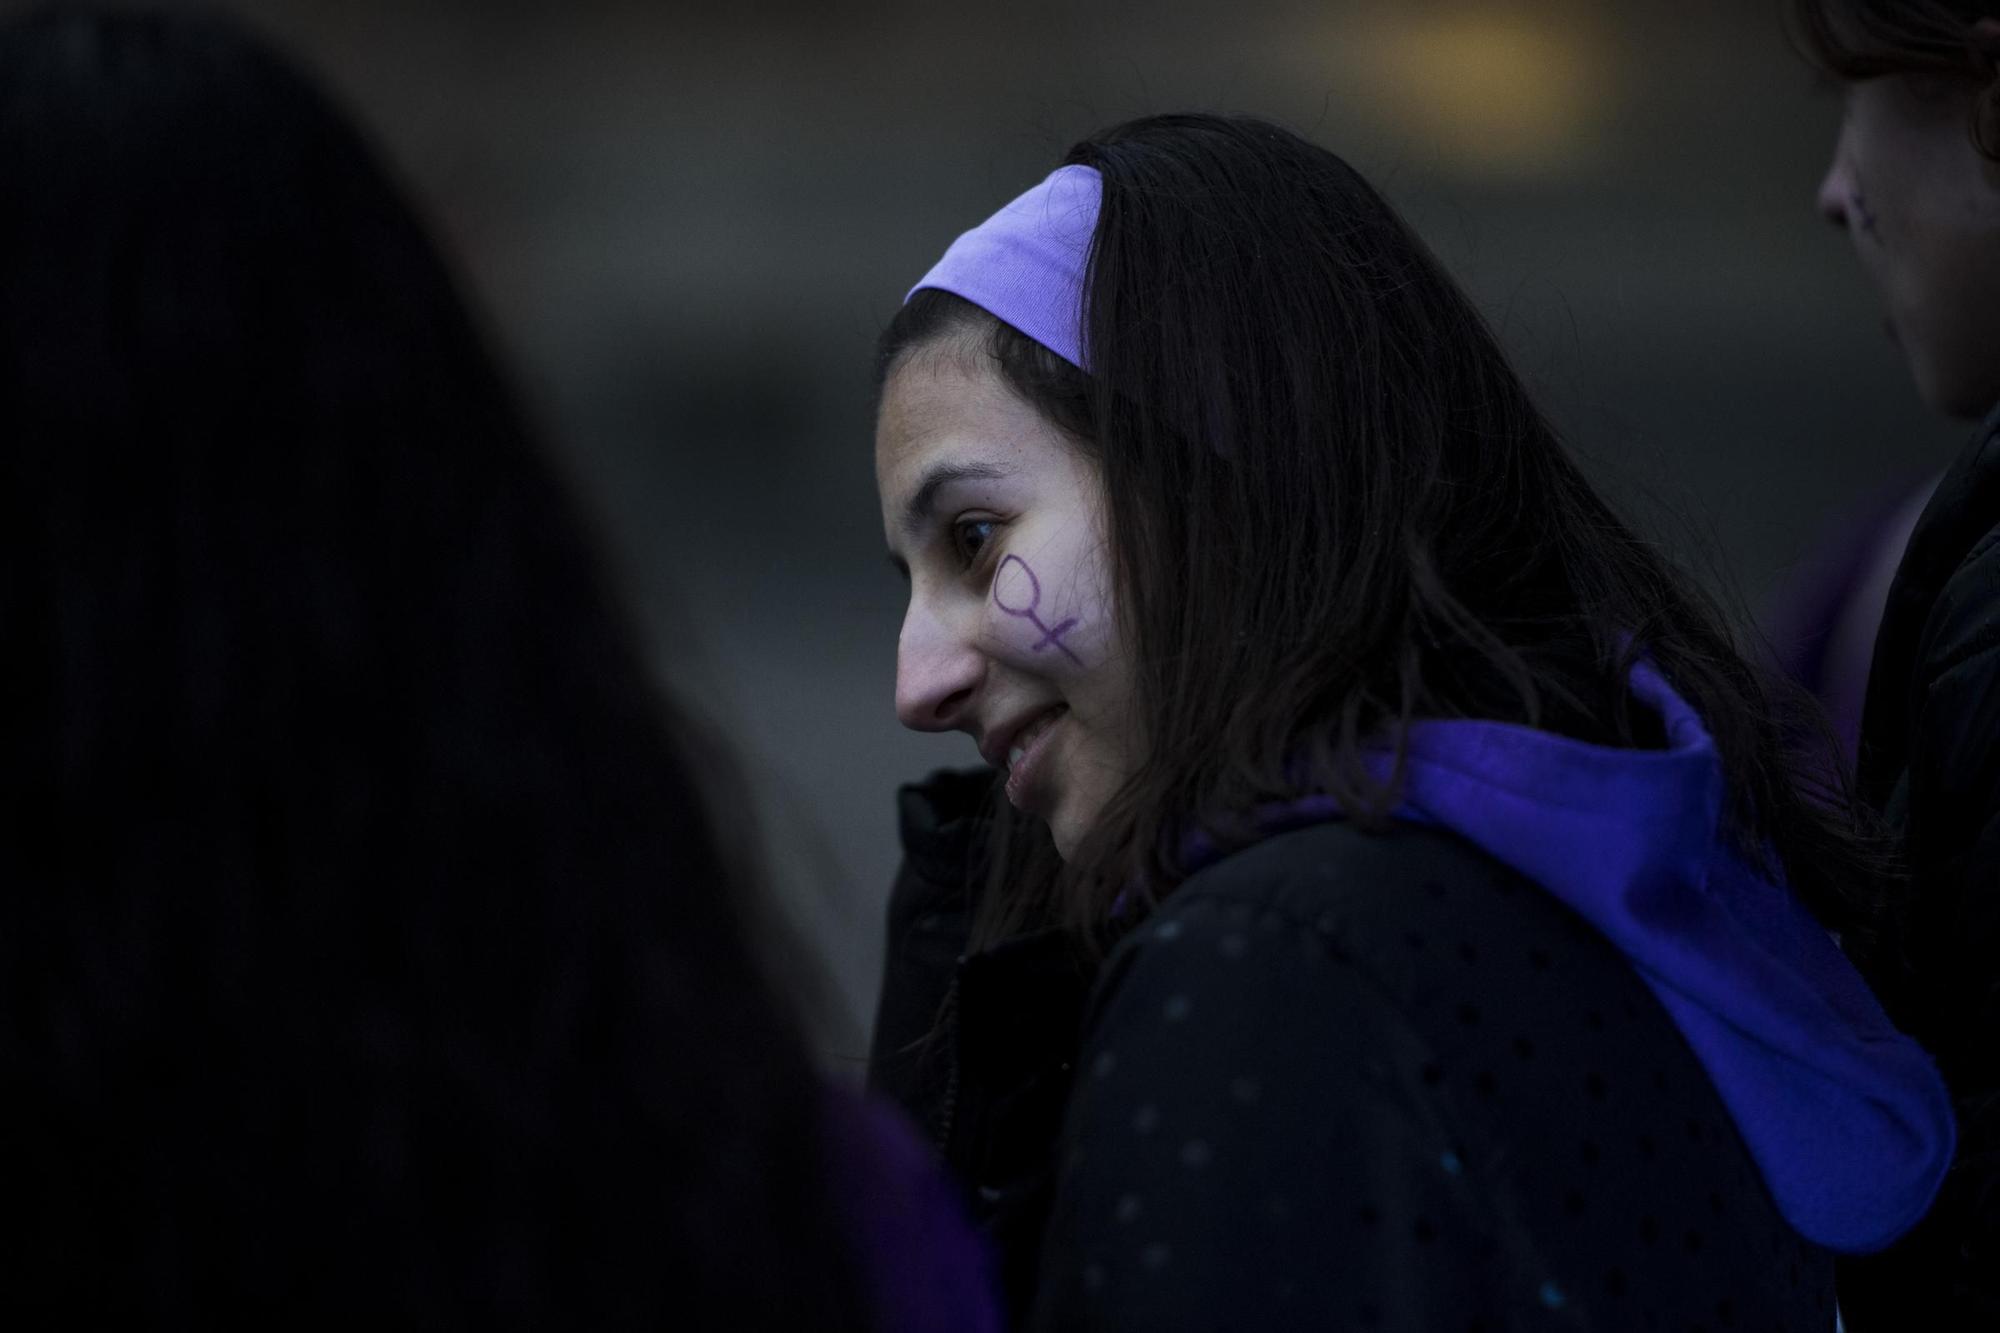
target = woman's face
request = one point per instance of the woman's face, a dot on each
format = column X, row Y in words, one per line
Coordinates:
column 1922, row 207
column 1011, row 635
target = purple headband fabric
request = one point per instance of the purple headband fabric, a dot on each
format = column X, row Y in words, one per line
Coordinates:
column 1024, row 265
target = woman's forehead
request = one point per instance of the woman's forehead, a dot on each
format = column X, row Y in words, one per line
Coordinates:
column 949, row 426
column 948, row 408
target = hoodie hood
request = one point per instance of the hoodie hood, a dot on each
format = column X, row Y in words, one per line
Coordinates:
column 1848, row 1119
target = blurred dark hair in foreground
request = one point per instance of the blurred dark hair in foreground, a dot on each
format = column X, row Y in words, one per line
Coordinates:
column 369, row 952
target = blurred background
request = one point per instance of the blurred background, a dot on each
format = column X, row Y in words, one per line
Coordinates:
column 688, row 223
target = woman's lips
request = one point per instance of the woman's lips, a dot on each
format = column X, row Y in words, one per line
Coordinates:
column 1025, row 758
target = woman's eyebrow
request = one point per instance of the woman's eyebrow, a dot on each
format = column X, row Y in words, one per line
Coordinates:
column 917, row 511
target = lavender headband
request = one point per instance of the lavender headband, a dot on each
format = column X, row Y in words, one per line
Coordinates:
column 1024, row 265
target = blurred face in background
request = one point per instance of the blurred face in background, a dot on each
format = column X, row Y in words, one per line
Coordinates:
column 1010, row 635
column 1922, row 207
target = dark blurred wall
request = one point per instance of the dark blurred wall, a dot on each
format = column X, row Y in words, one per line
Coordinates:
column 688, row 224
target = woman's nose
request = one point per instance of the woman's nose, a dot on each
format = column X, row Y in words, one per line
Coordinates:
column 937, row 673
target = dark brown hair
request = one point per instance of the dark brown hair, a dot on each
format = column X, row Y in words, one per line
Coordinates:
column 1334, row 509
column 1866, row 39
column 370, row 957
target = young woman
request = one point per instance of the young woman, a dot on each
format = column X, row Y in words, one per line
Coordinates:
column 1915, row 183
column 1469, row 955
column 370, row 956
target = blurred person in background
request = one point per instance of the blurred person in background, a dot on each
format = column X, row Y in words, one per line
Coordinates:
column 374, row 948
column 1915, row 183
column 1403, row 909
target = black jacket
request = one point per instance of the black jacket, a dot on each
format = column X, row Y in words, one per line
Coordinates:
column 1930, row 757
column 1338, row 1080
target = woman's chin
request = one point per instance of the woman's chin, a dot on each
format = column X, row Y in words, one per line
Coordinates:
column 1076, row 805
column 1064, row 837
column 1069, row 825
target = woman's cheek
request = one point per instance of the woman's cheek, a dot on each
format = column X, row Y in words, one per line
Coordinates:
column 1033, row 617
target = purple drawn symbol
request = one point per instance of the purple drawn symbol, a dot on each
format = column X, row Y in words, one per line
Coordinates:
column 1032, row 611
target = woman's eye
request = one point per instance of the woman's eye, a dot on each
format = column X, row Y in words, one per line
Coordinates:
column 969, row 537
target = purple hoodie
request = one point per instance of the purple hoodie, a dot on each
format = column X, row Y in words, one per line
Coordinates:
column 1847, row 1118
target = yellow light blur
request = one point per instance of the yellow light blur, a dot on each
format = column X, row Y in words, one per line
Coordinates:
column 1493, row 91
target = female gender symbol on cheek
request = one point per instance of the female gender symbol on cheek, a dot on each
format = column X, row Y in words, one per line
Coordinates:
column 1032, row 611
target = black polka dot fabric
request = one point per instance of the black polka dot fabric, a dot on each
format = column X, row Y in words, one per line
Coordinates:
column 1354, row 1081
